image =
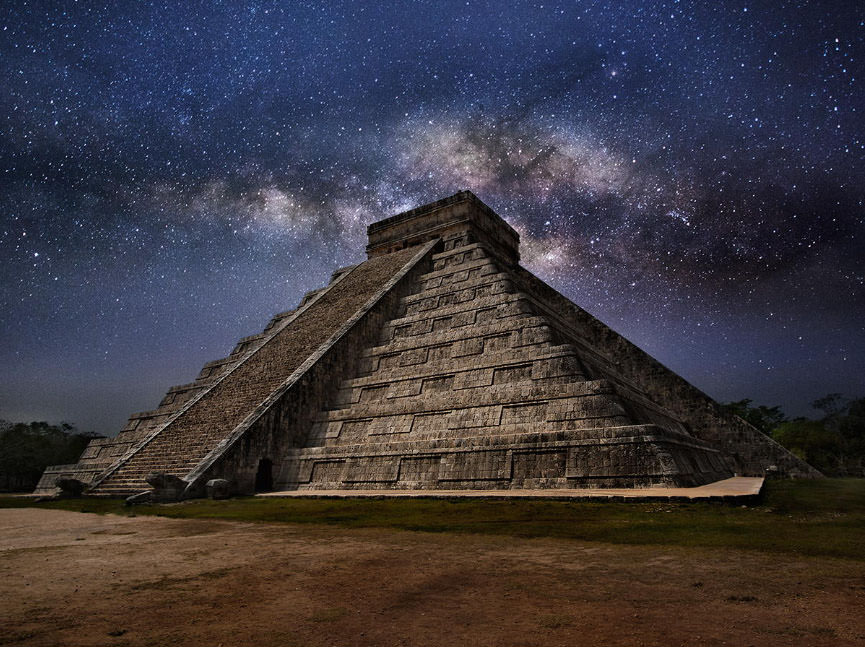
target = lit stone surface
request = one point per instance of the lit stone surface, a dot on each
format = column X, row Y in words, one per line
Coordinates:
column 737, row 487
column 437, row 364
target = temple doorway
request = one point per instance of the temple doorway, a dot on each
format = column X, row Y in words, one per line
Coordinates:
column 264, row 476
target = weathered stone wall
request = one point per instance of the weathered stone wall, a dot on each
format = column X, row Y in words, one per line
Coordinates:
column 102, row 453
column 631, row 456
column 286, row 421
column 184, row 441
column 437, row 363
column 467, row 387
column 747, row 451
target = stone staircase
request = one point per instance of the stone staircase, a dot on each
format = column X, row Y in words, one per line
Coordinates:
column 102, row 453
column 231, row 390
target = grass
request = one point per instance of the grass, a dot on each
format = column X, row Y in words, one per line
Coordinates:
column 823, row 517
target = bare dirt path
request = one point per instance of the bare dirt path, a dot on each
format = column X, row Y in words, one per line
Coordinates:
column 82, row 579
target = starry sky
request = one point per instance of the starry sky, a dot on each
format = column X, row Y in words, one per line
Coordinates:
column 171, row 175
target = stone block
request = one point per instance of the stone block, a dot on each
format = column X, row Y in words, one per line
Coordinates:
column 218, row 488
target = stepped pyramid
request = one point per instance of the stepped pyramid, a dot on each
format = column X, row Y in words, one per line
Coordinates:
column 437, row 363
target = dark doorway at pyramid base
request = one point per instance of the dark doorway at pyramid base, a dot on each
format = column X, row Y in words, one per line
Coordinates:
column 264, row 476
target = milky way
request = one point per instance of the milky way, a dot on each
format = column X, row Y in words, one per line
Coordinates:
column 691, row 173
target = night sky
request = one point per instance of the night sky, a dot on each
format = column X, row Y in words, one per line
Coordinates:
column 693, row 174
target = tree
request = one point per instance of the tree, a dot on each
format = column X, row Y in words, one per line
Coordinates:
column 763, row 418
column 832, row 404
column 811, row 441
column 26, row 449
column 851, row 429
column 834, row 444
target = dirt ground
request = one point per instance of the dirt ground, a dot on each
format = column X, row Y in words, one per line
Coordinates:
column 82, row 579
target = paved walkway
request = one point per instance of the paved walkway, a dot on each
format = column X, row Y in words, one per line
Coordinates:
column 738, row 486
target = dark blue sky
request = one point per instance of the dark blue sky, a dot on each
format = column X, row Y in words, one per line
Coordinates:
column 691, row 173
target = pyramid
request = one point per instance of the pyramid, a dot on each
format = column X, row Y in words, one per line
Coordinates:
column 437, row 363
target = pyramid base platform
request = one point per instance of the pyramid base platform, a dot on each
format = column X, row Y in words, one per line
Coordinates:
column 738, row 488
column 633, row 456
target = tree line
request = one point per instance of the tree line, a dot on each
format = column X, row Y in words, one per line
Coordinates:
column 27, row 448
column 834, row 442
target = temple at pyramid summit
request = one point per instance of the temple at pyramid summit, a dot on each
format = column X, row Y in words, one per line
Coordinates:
column 437, row 363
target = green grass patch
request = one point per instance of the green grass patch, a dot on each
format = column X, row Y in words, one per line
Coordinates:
column 815, row 518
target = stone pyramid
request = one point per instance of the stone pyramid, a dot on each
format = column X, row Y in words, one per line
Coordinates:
column 437, row 363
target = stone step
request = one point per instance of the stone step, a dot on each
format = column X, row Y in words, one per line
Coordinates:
column 642, row 454
column 432, row 298
column 439, row 359
column 490, row 396
column 404, row 445
column 555, row 370
column 445, row 383
column 309, row 296
column 141, row 471
column 252, row 339
column 211, row 371
column 181, row 388
column 511, row 332
column 276, row 320
column 471, row 247
column 211, row 418
column 486, row 265
column 387, row 373
column 379, row 430
column 462, row 419
column 175, row 399
column 440, row 321
column 492, row 436
column 460, row 256
column 458, row 307
column 456, row 278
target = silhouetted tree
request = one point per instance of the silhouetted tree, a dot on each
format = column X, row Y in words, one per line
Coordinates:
column 834, row 444
column 763, row 418
column 26, row 449
column 832, row 404
column 850, row 427
column 811, row 441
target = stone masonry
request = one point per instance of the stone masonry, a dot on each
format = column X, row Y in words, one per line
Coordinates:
column 439, row 363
